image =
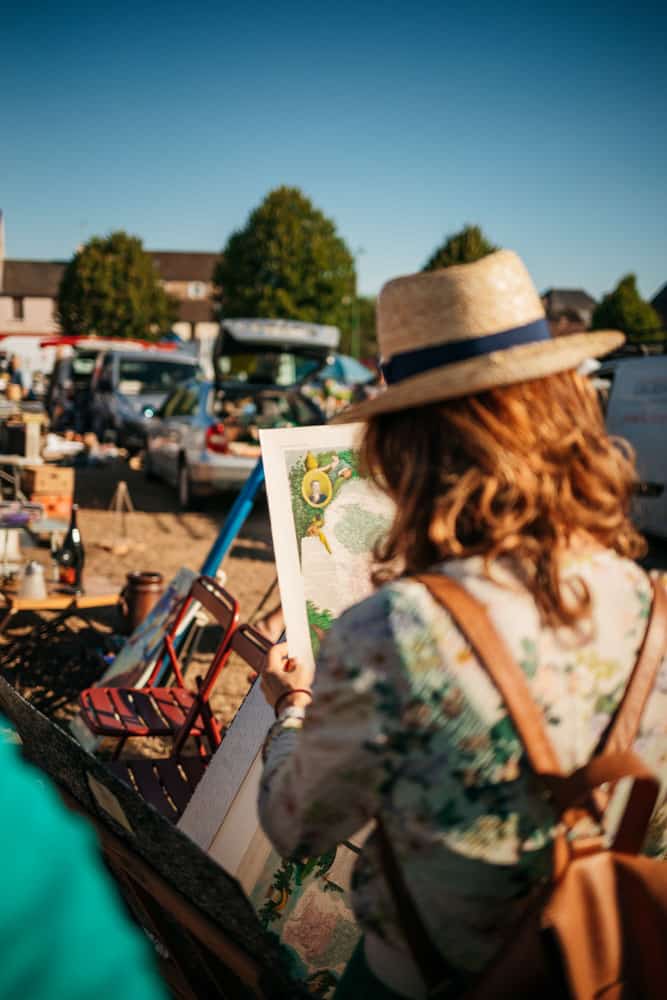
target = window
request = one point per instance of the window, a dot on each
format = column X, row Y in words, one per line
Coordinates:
column 139, row 375
column 264, row 367
column 17, row 307
column 197, row 290
column 182, row 403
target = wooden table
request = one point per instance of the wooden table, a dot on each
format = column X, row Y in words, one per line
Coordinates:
column 99, row 593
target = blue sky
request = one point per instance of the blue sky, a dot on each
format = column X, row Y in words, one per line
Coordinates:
column 545, row 124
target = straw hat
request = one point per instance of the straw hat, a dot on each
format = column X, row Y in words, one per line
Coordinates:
column 460, row 330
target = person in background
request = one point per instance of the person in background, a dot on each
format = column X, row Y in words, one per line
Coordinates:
column 64, row 934
column 14, row 392
column 16, row 375
column 494, row 452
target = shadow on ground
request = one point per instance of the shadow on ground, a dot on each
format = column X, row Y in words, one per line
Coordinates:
column 52, row 661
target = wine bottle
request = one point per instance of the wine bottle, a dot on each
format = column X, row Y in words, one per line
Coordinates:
column 71, row 556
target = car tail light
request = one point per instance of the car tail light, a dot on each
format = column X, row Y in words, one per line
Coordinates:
column 216, row 439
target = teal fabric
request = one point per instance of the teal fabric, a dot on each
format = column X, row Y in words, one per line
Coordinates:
column 63, row 930
column 359, row 982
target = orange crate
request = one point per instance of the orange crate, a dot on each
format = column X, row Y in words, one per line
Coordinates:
column 56, row 505
column 51, row 480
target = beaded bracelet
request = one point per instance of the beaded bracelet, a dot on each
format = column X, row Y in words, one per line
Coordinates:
column 287, row 694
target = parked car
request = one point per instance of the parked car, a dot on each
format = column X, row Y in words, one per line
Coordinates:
column 202, row 443
column 205, row 437
column 637, row 411
column 114, row 389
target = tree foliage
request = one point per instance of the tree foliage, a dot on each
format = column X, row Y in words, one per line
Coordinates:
column 110, row 288
column 288, row 262
column 624, row 309
column 359, row 339
column 464, row 247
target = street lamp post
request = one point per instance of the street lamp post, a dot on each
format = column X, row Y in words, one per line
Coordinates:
column 355, row 341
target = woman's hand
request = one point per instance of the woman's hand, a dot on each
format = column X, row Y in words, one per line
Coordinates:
column 282, row 675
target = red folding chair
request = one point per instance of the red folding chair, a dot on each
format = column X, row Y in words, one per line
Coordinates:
column 121, row 713
column 167, row 784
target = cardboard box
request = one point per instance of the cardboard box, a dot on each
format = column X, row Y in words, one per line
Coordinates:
column 56, row 506
column 51, row 480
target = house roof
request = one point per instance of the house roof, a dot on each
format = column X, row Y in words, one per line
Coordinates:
column 32, row 277
column 558, row 300
column 42, row 277
column 177, row 266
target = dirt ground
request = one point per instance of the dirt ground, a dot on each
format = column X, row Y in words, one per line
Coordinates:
column 51, row 664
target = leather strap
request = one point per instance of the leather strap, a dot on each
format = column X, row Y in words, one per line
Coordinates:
column 615, row 762
column 474, row 623
column 625, row 725
column 608, row 768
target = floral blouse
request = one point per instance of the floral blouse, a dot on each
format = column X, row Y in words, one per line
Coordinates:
column 406, row 723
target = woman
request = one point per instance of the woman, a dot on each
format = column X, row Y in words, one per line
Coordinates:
column 494, row 451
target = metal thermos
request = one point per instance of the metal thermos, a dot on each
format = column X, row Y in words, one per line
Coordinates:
column 33, row 584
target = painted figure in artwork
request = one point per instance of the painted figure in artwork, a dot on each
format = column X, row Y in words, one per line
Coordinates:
column 315, row 531
column 316, row 486
column 316, row 495
column 339, row 472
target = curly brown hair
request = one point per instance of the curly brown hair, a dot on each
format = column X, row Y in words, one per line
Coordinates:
column 518, row 471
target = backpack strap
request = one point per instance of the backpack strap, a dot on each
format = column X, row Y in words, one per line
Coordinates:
column 625, row 724
column 474, row 622
column 616, row 759
column 615, row 762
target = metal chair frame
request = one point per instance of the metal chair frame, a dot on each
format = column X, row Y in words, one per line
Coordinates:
column 123, row 713
column 168, row 783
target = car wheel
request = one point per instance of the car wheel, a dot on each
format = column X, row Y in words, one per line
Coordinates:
column 184, row 488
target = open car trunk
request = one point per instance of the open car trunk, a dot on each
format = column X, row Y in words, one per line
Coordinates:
column 260, row 354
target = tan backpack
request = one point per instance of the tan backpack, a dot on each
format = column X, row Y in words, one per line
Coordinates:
column 599, row 928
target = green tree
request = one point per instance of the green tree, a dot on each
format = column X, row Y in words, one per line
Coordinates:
column 464, row 247
column 288, row 262
column 367, row 332
column 359, row 339
column 624, row 309
column 111, row 288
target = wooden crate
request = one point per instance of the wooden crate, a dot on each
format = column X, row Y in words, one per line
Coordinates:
column 50, row 480
column 57, row 506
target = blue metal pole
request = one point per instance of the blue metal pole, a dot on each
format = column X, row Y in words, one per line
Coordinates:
column 234, row 521
column 232, row 525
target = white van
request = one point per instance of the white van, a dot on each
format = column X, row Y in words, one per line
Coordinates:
column 637, row 411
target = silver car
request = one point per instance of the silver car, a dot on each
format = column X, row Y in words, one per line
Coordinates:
column 205, row 437
column 202, row 443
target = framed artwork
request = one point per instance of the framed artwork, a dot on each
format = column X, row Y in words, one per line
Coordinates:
column 325, row 520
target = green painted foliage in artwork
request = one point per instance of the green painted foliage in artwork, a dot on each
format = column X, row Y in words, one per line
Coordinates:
column 358, row 530
column 319, row 620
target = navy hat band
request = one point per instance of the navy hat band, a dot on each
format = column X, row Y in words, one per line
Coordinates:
column 410, row 363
